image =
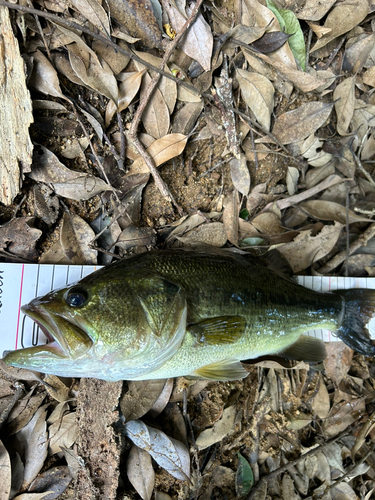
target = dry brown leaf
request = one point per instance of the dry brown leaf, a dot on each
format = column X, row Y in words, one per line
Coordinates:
column 133, row 236
column 169, row 453
column 167, row 87
column 338, row 361
column 44, row 76
column 292, row 177
column 19, row 237
column 304, row 81
column 56, row 388
column 240, row 173
column 330, row 181
column 32, row 496
column 298, row 124
column 316, row 175
column 258, row 93
column 115, row 59
column 160, row 151
column 186, row 118
column 314, row 10
column 5, row 473
column 342, row 18
column 56, row 480
column 155, row 117
column 344, row 97
column 36, row 445
column 210, row 234
column 93, row 12
column 140, row 398
column 342, row 415
column 198, row 42
column 75, row 238
column 62, row 433
column 22, row 413
column 268, row 223
column 138, row 19
column 162, row 400
column 140, row 472
column 307, row 249
column 369, row 77
column 328, row 210
column 356, row 55
column 219, row 431
column 128, row 88
column 321, row 404
column 96, row 75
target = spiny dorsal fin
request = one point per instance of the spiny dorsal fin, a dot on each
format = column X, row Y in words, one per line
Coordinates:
column 218, row 331
column 307, row 349
column 227, row 369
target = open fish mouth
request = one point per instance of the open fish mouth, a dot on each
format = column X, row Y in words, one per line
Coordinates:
column 49, row 329
column 66, row 341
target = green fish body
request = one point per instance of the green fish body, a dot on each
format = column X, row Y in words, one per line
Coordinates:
column 183, row 313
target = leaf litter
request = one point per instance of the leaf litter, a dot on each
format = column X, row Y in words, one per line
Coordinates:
column 281, row 158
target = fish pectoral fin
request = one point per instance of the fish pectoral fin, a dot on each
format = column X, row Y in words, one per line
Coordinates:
column 227, row 369
column 309, row 349
column 218, row 331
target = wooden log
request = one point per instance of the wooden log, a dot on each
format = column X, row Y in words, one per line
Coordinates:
column 15, row 114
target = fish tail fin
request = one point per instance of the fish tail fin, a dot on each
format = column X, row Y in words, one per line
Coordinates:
column 358, row 309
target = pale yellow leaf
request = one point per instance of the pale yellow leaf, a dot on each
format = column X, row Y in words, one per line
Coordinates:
column 161, row 151
column 128, row 88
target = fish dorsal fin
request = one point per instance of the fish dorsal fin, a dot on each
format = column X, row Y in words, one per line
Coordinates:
column 309, row 349
column 219, row 330
column 226, row 369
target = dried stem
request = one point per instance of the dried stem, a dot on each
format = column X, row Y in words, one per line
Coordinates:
column 145, row 100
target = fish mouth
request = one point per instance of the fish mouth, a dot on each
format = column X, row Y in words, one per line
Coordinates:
column 65, row 337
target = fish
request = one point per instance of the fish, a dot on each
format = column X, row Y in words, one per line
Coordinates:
column 173, row 313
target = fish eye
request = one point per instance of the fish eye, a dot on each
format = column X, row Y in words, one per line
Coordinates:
column 76, row 296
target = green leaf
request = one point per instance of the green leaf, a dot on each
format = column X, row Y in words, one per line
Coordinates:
column 290, row 24
column 244, row 214
column 244, row 477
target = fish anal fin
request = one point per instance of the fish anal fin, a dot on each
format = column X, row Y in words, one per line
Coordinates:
column 309, row 349
column 219, row 330
column 227, row 369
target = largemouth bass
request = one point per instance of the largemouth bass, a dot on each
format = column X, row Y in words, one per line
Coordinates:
column 182, row 313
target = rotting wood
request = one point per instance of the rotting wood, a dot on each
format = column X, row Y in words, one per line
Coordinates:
column 15, row 114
